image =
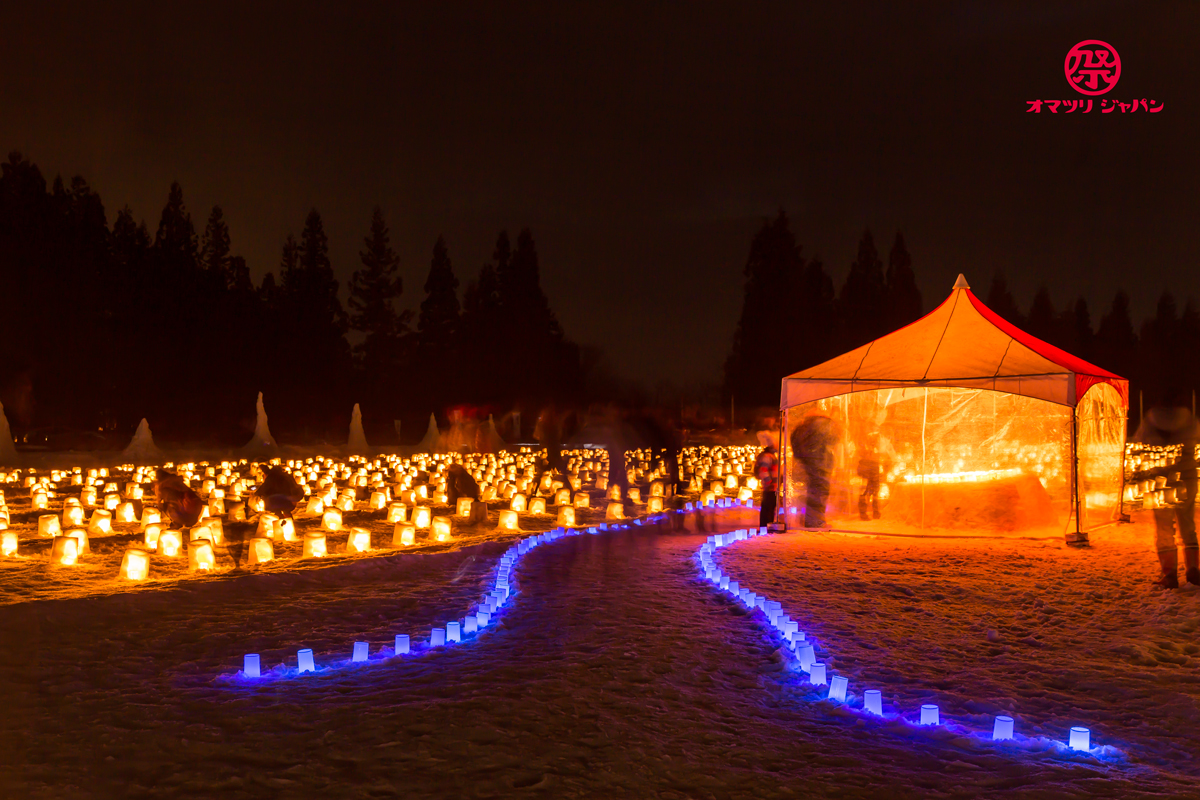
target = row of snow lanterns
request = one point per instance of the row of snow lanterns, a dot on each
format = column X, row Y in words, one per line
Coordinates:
column 1002, row 729
column 454, row 630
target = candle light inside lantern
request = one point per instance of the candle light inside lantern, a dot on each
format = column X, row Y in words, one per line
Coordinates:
column 250, row 665
column 1002, row 729
column 1081, row 739
column 360, row 651
column 873, row 702
column 304, row 659
column 401, row 643
column 929, row 714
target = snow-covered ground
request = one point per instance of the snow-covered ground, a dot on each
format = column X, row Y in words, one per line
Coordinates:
column 615, row 671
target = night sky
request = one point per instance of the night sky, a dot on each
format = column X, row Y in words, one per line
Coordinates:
column 643, row 143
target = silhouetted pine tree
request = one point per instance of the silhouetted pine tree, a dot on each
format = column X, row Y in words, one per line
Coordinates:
column 373, row 293
column 862, row 302
column 1042, row 322
column 764, row 344
column 437, row 326
column 902, row 297
column 1000, row 299
column 479, row 341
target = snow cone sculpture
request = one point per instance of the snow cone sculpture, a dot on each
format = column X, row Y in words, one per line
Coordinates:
column 262, row 442
column 357, row 445
column 141, row 449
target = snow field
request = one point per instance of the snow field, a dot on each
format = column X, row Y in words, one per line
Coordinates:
column 802, row 655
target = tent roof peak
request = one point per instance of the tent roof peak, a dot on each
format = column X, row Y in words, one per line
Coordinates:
column 961, row 283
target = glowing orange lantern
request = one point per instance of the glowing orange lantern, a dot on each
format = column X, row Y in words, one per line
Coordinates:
column 135, row 565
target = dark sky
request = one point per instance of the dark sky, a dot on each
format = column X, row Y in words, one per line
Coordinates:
column 642, row 142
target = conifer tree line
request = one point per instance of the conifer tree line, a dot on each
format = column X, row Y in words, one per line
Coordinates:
column 792, row 318
column 102, row 325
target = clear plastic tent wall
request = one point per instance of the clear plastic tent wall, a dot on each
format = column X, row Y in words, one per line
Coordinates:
column 944, row 460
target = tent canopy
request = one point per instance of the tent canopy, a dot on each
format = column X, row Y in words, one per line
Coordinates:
column 961, row 343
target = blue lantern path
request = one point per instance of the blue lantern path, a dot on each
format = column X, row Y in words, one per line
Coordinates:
column 803, row 655
column 483, row 615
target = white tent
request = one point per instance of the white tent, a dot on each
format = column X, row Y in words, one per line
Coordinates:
column 973, row 424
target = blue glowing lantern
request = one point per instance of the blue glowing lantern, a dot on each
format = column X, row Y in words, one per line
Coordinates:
column 482, row 618
column 437, row 637
column 250, row 665
column 816, row 674
column 837, row 688
column 469, row 624
column 873, row 702
column 360, row 651
column 929, row 714
column 305, row 660
column 806, row 655
column 1081, row 739
column 453, row 632
column 401, row 643
column 1003, row 729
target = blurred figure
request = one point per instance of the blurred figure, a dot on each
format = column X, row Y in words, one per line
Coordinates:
column 459, row 483
column 1171, row 423
column 548, row 432
column 177, row 500
column 873, row 463
column 812, row 443
column 279, row 491
column 766, row 469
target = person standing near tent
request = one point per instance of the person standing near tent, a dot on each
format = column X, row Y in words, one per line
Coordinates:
column 766, row 470
column 875, row 459
column 812, row 444
column 1171, row 423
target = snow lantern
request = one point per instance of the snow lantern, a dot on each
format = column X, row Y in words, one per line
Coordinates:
column 537, row 505
column 635, row 495
column 656, row 489
column 441, row 529
column 201, row 557
column 1002, row 729
column 200, row 532
column 562, row 497
column 304, row 658
column 967, row 422
column 615, row 511
column 518, row 503
column 40, row 501
column 873, row 702
column 805, row 654
column 135, row 565
column 64, row 550
column 72, row 515
column 654, row 505
column 314, row 545
column 582, row 500
column 398, row 512
column 508, row 520
column 170, row 543
column 360, row 652
column 331, row 520
column 437, row 637
column 8, row 543
column 250, row 665
column 314, row 507
column 816, row 674
column 404, row 535
column 359, row 541
column 708, row 498
column 256, row 504
column 929, row 714
column 463, row 508
column 422, row 517
column 1081, row 739
column 111, row 501
column 88, row 496
column 48, row 525
column 285, row 529
column 101, row 522
column 153, row 532
column 752, row 483
column 149, row 516
column 261, row 550
column 614, row 492
column 566, row 516
column 126, row 513
column 266, row 525
column 378, row 501
column 401, row 643
column 453, row 632
column 837, row 688
column 745, row 493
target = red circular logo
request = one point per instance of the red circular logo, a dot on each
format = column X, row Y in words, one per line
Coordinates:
column 1093, row 67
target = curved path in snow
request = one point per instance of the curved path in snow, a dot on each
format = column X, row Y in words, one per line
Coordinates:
column 616, row 673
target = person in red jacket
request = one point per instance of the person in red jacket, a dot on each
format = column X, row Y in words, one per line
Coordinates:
column 766, row 469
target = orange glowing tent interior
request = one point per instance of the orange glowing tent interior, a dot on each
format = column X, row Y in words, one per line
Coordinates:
column 957, row 424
